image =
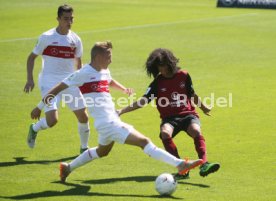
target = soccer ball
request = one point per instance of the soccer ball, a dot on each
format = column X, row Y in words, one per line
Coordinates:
column 165, row 184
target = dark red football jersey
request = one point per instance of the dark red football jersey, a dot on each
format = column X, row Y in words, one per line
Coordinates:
column 172, row 95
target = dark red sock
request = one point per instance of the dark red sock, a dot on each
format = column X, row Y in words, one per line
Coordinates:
column 200, row 147
column 170, row 147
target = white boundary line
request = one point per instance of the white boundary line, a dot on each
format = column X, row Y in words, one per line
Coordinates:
column 140, row 26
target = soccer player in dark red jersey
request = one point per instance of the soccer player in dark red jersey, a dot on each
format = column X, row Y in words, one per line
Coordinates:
column 175, row 99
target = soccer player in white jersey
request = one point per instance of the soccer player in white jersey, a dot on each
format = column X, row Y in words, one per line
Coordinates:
column 61, row 49
column 94, row 80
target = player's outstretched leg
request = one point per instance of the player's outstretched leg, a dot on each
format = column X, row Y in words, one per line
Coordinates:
column 64, row 169
column 187, row 165
column 183, row 166
column 87, row 156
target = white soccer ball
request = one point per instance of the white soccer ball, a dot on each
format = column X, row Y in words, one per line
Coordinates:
column 165, row 184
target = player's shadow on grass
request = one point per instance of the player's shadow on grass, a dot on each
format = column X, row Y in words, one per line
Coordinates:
column 113, row 180
column 138, row 179
column 193, row 184
column 81, row 190
column 22, row 161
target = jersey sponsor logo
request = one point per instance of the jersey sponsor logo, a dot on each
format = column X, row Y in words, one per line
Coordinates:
column 54, row 51
column 59, row 52
column 98, row 86
column 54, row 43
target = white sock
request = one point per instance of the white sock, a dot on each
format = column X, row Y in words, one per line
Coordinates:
column 84, row 132
column 40, row 125
column 84, row 158
column 159, row 154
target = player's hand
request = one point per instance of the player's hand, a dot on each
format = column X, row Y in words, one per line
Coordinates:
column 129, row 91
column 29, row 86
column 35, row 114
column 206, row 110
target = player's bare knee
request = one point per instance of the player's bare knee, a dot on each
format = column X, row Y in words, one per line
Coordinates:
column 144, row 142
column 195, row 133
column 83, row 120
column 103, row 153
column 51, row 118
column 164, row 135
column 82, row 116
column 52, row 122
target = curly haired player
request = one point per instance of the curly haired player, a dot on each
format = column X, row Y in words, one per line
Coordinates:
column 175, row 98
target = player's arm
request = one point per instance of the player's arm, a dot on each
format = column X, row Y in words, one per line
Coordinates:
column 78, row 55
column 53, row 92
column 141, row 102
column 30, row 67
column 118, row 86
column 134, row 106
column 35, row 114
column 195, row 98
column 78, row 62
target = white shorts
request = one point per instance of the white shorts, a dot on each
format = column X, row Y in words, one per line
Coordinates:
column 117, row 131
column 71, row 96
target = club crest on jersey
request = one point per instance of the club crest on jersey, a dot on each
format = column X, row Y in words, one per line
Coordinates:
column 175, row 96
column 182, row 85
column 72, row 45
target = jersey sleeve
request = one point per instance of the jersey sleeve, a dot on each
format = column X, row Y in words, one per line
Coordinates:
column 109, row 77
column 151, row 92
column 40, row 45
column 189, row 86
column 75, row 79
column 79, row 49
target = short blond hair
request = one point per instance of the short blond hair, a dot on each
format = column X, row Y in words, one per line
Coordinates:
column 100, row 47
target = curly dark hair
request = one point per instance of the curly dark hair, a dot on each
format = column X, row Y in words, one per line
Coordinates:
column 161, row 56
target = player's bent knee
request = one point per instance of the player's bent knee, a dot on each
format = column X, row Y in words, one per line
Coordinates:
column 83, row 120
column 82, row 115
column 195, row 134
column 52, row 122
column 164, row 135
column 103, row 153
column 51, row 118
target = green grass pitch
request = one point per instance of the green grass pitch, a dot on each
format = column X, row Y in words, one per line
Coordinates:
column 226, row 51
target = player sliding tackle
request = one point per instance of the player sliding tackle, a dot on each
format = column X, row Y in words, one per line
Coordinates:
column 94, row 80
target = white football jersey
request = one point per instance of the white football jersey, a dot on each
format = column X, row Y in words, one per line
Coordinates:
column 58, row 54
column 94, row 86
